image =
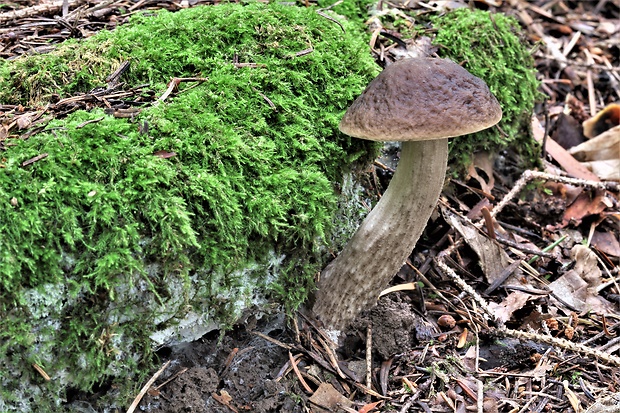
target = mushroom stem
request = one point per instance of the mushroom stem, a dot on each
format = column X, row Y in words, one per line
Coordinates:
column 385, row 239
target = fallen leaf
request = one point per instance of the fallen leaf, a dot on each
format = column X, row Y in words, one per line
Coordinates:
column 572, row 166
column 369, row 407
column 604, row 146
column 24, row 121
column 601, row 155
column 577, row 287
column 606, row 242
column 585, row 204
column 567, row 131
column 514, row 301
column 225, row 399
column 327, row 397
column 586, row 265
column 607, row 170
column 492, row 258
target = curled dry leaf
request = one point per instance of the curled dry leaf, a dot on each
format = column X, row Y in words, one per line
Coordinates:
column 601, row 154
column 326, row 398
column 585, row 204
column 484, row 162
column 577, row 287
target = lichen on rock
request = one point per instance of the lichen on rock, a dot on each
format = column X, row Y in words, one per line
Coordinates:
column 110, row 249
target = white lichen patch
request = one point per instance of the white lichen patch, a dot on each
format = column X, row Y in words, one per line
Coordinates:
column 44, row 300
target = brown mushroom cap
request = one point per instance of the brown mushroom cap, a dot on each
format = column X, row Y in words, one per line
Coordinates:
column 421, row 99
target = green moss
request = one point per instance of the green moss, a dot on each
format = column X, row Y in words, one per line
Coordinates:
column 107, row 239
column 356, row 11
column 489, row 46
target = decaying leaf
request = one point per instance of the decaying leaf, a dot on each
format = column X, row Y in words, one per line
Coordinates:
column 601, row 154
column 513, row 302
column 606, row 242
column 327, row 399
column 369, row 407
column 584, row 205
column 225, row 399
column 484, row 162
column 493, row 259
column 577, row 287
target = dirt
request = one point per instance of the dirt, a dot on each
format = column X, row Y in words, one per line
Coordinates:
column 242, row 371
column 239, row 365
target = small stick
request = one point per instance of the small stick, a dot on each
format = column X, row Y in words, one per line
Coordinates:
column 488, row 220
column 35, row 159
column 299, row 376
column 174, row 376
column 369, row 357
column 332, row 357
column 146, row 387
column 525, row 249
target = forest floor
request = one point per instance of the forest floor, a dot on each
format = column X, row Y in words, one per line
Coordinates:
column 543, row 259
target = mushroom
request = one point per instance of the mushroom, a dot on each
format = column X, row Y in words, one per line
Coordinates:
column 421, row 102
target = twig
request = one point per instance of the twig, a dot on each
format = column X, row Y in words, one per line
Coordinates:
column 38, row 10
column 561, row 343
column 146, row 387
column 369, row 356
column 296, row 370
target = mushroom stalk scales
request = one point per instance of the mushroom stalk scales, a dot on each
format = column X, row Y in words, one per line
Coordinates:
column 387, row 236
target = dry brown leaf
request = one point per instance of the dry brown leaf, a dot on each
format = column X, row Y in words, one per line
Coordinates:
column 572, row 167
column 4, row 131
column 225, row 399
column 601, row 155
column 604, row 146
column 24, row 121
column 607, row 170
column 369, row 407
column 586, row 265
column 513, row 302
column 577, row 287
column 492, row 258
column 606, row 242
column 327, row 397
column 585, row 205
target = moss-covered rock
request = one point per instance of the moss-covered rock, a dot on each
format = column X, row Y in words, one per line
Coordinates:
column 107, row 249
column 490, row 47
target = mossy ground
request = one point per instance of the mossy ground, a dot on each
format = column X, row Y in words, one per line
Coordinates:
column 103, row 235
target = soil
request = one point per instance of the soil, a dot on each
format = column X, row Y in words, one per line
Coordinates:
column 240, row 364
column 247, row 368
